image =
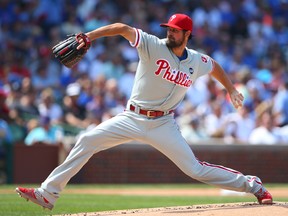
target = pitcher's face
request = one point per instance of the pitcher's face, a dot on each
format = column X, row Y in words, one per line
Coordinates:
column 175, row 37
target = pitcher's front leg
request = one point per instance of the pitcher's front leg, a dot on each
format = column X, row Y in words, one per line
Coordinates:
column 174, row 146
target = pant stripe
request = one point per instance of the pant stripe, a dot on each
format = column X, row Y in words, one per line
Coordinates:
column 254, row 179
column 203, row 163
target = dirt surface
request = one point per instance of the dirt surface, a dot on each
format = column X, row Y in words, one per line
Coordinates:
column 235, row 209
column 232, row 209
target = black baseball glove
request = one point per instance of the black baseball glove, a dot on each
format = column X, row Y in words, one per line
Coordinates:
column 66, row 51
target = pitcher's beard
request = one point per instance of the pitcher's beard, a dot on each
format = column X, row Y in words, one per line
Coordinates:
column 171, row 43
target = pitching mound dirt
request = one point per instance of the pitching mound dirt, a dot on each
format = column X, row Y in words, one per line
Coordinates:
column 232, row 209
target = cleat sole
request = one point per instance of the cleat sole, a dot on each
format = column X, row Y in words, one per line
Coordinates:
column 24, row 196
column 266, row 202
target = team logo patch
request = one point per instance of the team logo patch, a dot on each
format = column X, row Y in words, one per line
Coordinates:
column 204, row 59
column 191, row 71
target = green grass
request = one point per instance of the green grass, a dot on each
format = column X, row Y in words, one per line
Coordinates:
column 91, row 203
column 11, row 204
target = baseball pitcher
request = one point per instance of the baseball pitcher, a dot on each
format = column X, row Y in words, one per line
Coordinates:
column 166, row 69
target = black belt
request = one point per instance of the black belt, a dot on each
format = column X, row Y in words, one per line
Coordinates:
column 150, row 113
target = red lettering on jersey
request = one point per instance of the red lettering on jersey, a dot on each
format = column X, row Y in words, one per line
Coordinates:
column 174, row 76
column 204, row 59
column 184, row 79
column 167, row 74
column 163, row 64
column 179, row 78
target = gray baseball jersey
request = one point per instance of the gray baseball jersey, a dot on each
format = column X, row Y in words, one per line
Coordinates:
column 161, row 79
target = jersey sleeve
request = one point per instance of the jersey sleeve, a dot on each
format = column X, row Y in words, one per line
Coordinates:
column 206, row 64
column 147, row 45
column 138, row 37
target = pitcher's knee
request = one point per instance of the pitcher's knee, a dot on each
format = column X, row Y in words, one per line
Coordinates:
column 86, row 140
column 194, row 172
column 83, row 140
column 96, row 140
column 194, row 175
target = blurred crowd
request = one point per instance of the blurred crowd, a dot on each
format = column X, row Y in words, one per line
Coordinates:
column 42, row 101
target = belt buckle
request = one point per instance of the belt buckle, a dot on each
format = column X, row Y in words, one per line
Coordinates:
column 149, row 114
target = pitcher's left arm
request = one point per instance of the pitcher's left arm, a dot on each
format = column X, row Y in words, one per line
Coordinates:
column 219, row 74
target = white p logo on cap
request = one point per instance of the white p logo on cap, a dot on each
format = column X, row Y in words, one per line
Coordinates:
column 172, row 17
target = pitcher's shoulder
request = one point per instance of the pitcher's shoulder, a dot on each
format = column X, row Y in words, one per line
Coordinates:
column 199, row 55
column 196, row 52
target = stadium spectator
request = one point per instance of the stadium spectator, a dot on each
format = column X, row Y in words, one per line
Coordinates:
column 239, row 34
column 264, row 133
column 26, row 108
column 42, row 131
column 213, row 122
column 4, row 109
column 74, row 114
column 42, row 79
column 238, row 125
column 5, row 134
column 280, row 106
column 192, row 131
column 48, row 108
column 125, row 82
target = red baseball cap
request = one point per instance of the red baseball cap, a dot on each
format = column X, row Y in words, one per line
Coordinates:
column 179, row 21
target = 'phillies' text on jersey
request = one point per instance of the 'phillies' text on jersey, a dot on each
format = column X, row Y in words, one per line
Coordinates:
column 176, row 76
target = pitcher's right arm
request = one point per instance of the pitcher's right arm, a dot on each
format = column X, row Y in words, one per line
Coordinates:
column 115, row 29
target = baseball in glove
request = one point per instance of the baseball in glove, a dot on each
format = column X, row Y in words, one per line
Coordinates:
column 66, row 51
